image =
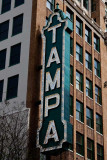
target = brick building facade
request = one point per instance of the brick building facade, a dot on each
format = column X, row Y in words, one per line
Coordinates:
column 88, row 75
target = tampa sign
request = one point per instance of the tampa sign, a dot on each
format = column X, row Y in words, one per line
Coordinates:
column 55, row 127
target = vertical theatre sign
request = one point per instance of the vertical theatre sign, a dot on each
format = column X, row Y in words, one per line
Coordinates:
column 55, row 128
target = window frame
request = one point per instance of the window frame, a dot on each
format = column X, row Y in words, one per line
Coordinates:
column 2, row 30
column 3, row 62
column 18, row 4
column 98, row 95
column 12, row 54
column 86, row 6
column 6, row 4
column 69, row 14
column 8, row 95
column 98, row 153
column 15, row 26
column 71, row 46
column 79, row 27
column 71, row 74
column 71, row 105
column 89, row 118
column 97, row 69
column 80, row 53
column 80, row 111
column 96, row 43
column 99, row 124
column 80, row 145
column 80, row 81
column 88, row 62
column 89, row 149
column 88, row 39
column 52, row 4
column 89, row 88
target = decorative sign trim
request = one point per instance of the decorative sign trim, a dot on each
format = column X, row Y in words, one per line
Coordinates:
column 42, row 91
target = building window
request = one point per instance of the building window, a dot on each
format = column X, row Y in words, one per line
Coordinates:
column 17, row 24
column 90, row 149
column 69, row 14
column 71, row 105
column 93, row 6
column 89, row 117
column 96, row 42
column 99, row 127
column 79, row 111
column 71, row 46
column 78, row 26
column 50, row 4
column 87, row 35
column 80, row 144
column 18, row 2
column 2, row 59
column 79, row 81
column 71, row 74
column 98, row 94
column 1, row 89
column 6, row 5
column 15, row 54
column 100, row 155
column 97, row 68
column 86, row 4
column 88, row 60
column 79, row 54
column 4, row 29
column 89, row 89
column 12, row 87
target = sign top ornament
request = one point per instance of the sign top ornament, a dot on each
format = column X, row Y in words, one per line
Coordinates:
column 55, row 128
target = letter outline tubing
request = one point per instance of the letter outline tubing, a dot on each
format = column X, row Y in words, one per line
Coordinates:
column 53, row 125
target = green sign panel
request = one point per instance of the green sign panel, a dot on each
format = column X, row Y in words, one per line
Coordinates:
column 55, row 128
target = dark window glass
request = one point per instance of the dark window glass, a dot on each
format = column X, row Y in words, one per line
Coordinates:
column 96, row 42
column 93, row 6
column 18, row 2
column 98, row 98
column 88, row 62
column 71, row 46
column 2, row 59
column 79, row 111
column 89, row 117
column 1, row 89
column 6, row 5
column 100, row 155
column 71, row 74
column 86, row 4
column 79, row 143
column 79, row 54
column 17, row 24
column 4, row 28
column 12, row 87
column 15, row 54
column 50, row 4
column 90, row 149
column 89, row 90
column 78, row 26
column 79, row 81
column 97, row 68
column 99, row 126
column 69, row 14
column 88, row 35
column 71, row 105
